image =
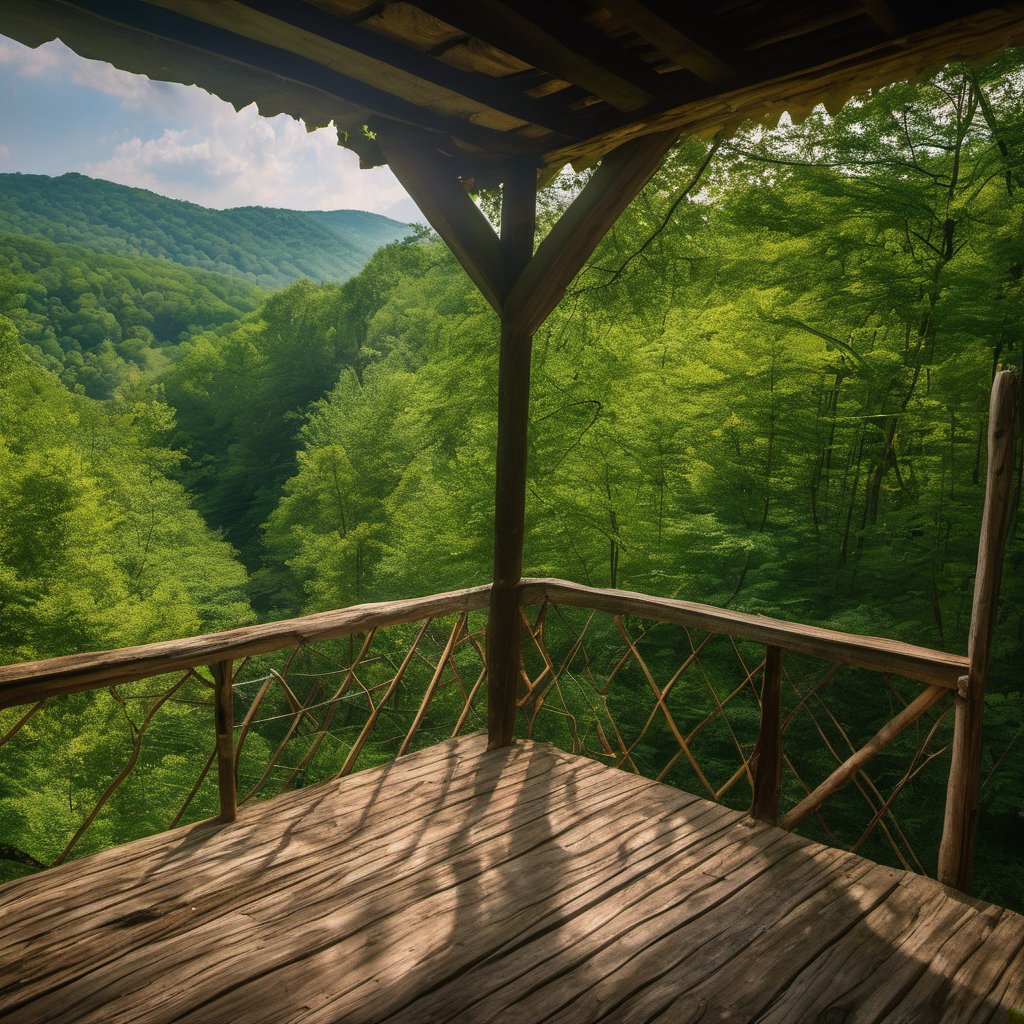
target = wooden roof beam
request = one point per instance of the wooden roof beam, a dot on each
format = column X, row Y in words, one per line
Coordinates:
column 564, row 48
column 162, row 23
column 885, row 16
column 368, row 56
column 436, row 189
column 560, row 257
column 972, row 38
column 672, row 41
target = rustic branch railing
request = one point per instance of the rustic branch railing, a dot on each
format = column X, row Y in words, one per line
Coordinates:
column 755, row 712
column 664, row 687
column 276, row 706
column 671, row 689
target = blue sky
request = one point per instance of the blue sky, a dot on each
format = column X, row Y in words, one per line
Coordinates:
column 59, row 113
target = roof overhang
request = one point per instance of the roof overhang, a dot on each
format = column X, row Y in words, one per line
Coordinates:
column 496, row 83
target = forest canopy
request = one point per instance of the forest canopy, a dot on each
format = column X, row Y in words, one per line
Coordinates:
column 264, row 246
column 767, row 391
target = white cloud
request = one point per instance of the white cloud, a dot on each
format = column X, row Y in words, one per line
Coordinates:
column 55, row 62
column 229, row 159
column 197, row 147
column 5, row 153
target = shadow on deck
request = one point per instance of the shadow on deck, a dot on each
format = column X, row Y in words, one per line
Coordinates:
column 524, row 885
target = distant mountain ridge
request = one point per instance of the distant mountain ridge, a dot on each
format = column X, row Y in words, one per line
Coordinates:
column 266, row 246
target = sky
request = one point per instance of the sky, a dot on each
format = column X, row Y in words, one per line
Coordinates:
column 60, row 113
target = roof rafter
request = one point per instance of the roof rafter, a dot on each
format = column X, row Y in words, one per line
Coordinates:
column 682, row 47
column 566, row 49
column 157, row 20
column 370, row 57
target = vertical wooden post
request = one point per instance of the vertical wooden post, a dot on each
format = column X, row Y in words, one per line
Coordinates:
column 961, row 821
column 767, row 759
column 518, row 220
column 523, row 288
column 224, row 716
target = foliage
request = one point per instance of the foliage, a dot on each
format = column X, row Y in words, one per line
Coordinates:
column 93, row 319
column 241, row 398
column 265, row 246
column 98, row 547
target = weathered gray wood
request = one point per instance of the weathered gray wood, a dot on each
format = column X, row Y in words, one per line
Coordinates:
column 961, row 819
column 473, row 885
column 34, row 680
column 224, row 719
column 518, row 223
column 871, row 652
column 766, row 762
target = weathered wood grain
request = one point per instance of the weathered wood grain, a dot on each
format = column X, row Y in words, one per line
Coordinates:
column 870, row 652
column 224, row 720
column 859, row 759
column 520, row 884
column 518, row 228
column 34, row 680
column 961, row 819
column 766, row 761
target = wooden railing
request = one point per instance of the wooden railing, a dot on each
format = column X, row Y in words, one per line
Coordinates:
column 752, row 711
column 768, row 715
column 759, row 713
column 106, row 747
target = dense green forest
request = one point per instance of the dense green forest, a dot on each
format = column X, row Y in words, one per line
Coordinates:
column 767, row 391
column 94, row 319
column 267, row 247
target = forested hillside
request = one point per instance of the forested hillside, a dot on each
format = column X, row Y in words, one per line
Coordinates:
column 267, row 247
column 98, row 546
column 93, row 318
column 767, row 391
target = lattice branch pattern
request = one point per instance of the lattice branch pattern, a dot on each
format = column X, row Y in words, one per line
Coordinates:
column 684, row 706
column 103, row 767
column 679, row 705
column 339, row 705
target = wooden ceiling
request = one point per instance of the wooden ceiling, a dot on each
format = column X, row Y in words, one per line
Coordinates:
column 495, row 82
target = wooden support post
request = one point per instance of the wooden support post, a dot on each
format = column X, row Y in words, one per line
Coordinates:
column 961, row 822
column 224, row 716
column 524, row 288
column 767, row 759
column 518, row 220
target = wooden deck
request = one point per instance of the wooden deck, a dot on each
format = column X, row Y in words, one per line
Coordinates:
column 522, row 885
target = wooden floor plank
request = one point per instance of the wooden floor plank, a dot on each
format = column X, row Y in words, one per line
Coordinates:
column 526, row 885
column 567, row 933
column 858, row 967
column 797, row 904
column 253, row 872
column 209, row 954
column 371, row 939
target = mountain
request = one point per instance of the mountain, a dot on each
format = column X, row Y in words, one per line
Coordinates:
column 268, row 247
column 90, row 317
